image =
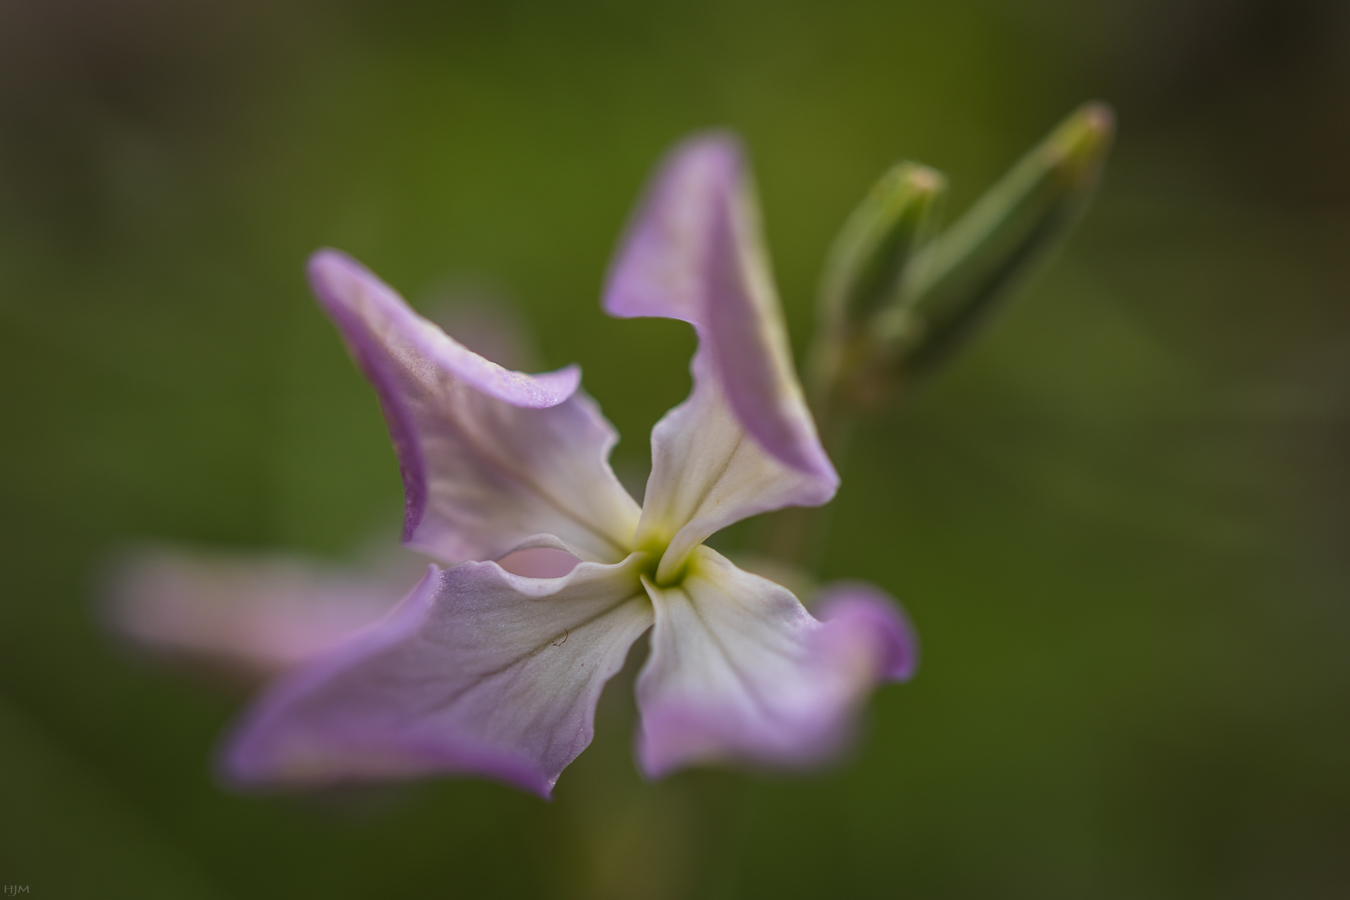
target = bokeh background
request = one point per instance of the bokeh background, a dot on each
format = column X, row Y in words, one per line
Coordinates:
column 1120, row 520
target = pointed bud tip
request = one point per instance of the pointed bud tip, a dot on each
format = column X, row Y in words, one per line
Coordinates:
column 1099, row 117
column 1080, row 143
column 905, row 179
column 924, row 180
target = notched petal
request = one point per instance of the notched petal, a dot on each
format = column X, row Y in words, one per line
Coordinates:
column 740, row 672
column 661, row 267
column 377, row 322
column 694, row 252
column 477, row 672
column 490, row 457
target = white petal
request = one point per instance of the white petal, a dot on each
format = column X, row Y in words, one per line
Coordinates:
column 492, row 460
column 740, row 672
column 744, row 442
column 477, row 672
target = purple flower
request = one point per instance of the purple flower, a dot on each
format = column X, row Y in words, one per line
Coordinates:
column 481, row 671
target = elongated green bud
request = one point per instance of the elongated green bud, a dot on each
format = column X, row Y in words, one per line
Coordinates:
column 867, row 264
column 964, row 274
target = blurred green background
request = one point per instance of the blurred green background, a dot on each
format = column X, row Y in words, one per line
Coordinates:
column 1120, row 520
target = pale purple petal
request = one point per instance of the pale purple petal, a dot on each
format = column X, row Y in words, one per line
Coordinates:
column 477, row 672
column 661, row 268
column 250, row 617
column 485, row 324
column 744, row 442
column 862, row 612
column 740, row 672
column 492, row 460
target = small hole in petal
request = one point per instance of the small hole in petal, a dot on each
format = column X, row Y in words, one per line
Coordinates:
column 539, row 562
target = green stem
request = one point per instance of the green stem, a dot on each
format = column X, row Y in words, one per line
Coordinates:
column 619, row 837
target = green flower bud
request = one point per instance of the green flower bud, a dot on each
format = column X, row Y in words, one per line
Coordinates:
column 866, row 266
column 951, row 287
column 868, row 260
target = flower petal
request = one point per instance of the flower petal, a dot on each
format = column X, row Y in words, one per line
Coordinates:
column 694, row 252
column 492, row 460
column 740, row 672
column 252, row 617
column 477, row 672
column 861, row 611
